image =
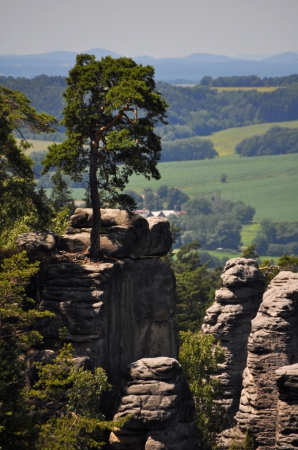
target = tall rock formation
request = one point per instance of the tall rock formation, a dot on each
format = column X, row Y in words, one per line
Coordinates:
column 229, row 321
column 287, row 407
column 273, row 343
column 156, row 395
column 114, row 311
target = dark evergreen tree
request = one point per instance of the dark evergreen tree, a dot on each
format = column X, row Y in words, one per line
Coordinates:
column 61, row 196
column 111, row 110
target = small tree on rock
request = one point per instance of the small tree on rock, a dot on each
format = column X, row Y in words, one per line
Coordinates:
column 111, row 110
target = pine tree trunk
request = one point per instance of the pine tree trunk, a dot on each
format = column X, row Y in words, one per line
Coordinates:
column 95, row 231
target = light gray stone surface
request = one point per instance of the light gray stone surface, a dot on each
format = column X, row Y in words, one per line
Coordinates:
column 273, row 343
column 115, row 313
column 156, row 395
column 124, row 235
column 229, row 321
column 287, row 407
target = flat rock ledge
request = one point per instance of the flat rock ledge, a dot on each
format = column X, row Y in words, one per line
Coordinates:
column 156, row 395
column 123, row 235
column 37, row 242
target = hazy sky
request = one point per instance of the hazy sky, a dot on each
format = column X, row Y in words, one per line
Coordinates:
column 150, row 27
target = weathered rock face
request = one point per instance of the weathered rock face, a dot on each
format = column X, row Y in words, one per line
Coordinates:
column 287, row 407
column 115, row 313
column 37, row 242
column 156, row 395
column 273, row 343
column 229, row 321
column 125, row 235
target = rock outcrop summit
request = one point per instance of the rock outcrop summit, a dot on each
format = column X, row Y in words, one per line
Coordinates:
column 258, row 330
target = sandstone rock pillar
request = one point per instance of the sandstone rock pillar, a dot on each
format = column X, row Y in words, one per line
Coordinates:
column 229, row 321
column 156, row 395
column 273, row 343
column 287, row 407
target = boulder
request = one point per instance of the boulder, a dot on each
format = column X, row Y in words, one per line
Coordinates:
column 156, row 395
column 74, row 242
column 123, row 234
column 161, row 239
column 37, row 242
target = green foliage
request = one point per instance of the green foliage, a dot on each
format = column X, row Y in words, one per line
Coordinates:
column 17, row 311
column 61, row 196
column 250, row 252
column 274, row 239
column 213, row 222
column 199, row 356
column 287, row 262
column 17, row 186
column 72, row 398
column 247, row 444
column 111, row 110
column 45, row 92
column 17, row 429
column 187, row 149
column 203, row 110
column 223, row 177
column 276, row 141
column 194, row 110
column 17, row 317
column 249, row 81
column 195, row 286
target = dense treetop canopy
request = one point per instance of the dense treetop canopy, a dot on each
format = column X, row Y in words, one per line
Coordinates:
column 114, row 102
column 111, row 110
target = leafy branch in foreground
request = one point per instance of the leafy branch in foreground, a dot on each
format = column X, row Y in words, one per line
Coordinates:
column 72, row 398
column 199, row 356
column 17, row 316
column 17, row 186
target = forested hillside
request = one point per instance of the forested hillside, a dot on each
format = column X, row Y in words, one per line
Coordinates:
column 201, row 111
column 193, row 111
column 276, row 141
column 248, row 81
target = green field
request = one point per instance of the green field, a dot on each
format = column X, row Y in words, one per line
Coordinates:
column 225, row 141
column 249, row 232
column 38, row 146
column 244, row 88
column 268, row 183
column 238, row 255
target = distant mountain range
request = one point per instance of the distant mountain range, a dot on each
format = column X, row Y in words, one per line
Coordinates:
column 187, row 69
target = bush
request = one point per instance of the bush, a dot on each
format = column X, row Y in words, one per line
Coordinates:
column 199, row 356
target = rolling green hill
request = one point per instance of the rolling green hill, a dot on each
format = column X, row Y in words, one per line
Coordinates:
column 225, row 141
column 269, row 183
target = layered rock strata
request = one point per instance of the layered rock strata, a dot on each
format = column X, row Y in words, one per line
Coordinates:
column 124, row 235
column 114, row 313
column 229, row 321
column 287, row 407
column 273, row 343
column 156, row 396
